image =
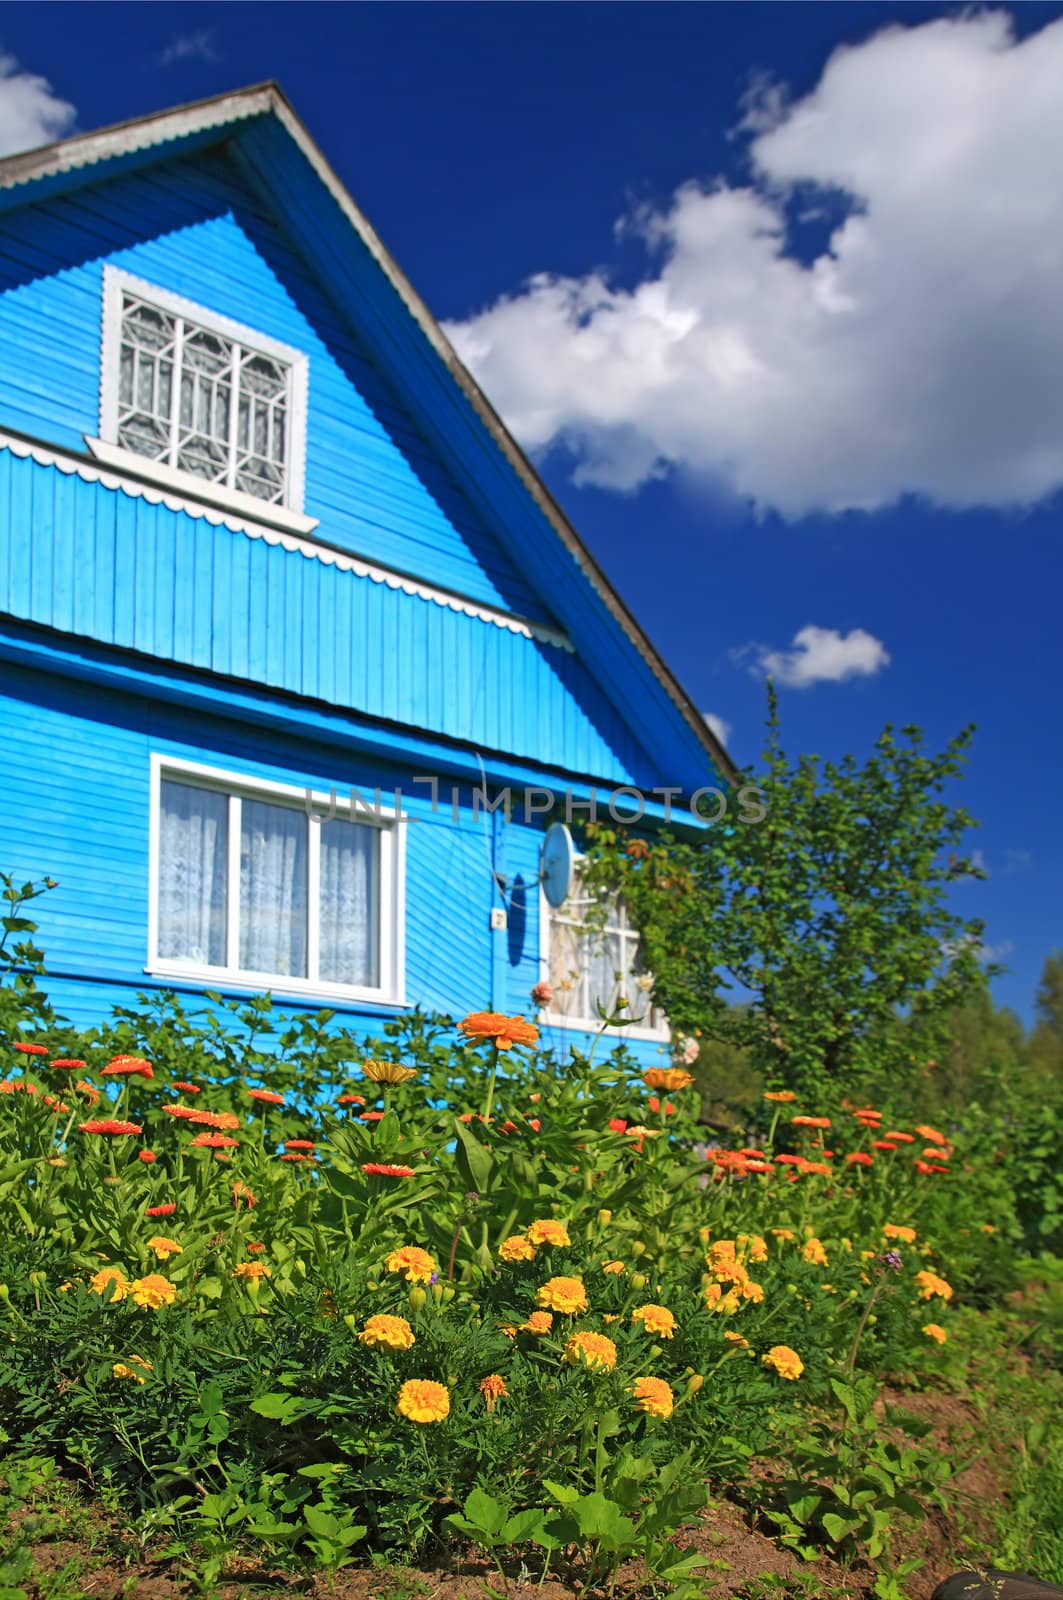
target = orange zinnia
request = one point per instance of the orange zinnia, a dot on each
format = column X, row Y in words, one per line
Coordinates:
column 129, row 1064
column 266, row 1096
column 214, row 1141
column 503, row 1032
column 931, row 1133
column 111, row 1127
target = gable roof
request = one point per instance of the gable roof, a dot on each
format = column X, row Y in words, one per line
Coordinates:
column 125, row 145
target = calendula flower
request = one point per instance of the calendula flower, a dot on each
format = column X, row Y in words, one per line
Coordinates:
column 129, row 1066
column 896, row 1230
column 111, row 1127
column 566, row 1295
column 503, row 1032
column 214, row 1141
column 387, row 1333
column 120, row 1370
column 653, row 1396
column 417, row 1265
column 516, row 1248
column 539, row 1322
column 549, row 1231
column 163, row 1247
column 614, row 1268
column 493, row 1390
column 421, row 1400
column 252, row 1270
column 165, row 1210
column 786, row 1362
column 930, row 1134
column 935, row 1331
column 389, row 1072
column 930, row 1285
column 670, row 1079
column 591, row 1350
column 113, row 1276
column 387, row 1169
column 657, row 1320
column 153, row 1291
column 814, row 1253
column 265, row 1097
column 782, row 1097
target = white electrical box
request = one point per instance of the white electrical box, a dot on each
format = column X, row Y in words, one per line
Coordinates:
column 498, row 919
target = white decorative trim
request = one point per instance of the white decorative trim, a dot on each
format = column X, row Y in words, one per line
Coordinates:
column 115, row 280
column 48, row 456
column 186, row 483
column 391, row 888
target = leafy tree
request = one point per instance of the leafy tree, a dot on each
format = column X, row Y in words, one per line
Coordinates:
column 829, row 918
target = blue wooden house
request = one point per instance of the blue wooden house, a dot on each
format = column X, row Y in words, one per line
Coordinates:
column 285, row 614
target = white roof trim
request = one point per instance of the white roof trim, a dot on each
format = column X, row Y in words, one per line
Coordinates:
column 311, row 549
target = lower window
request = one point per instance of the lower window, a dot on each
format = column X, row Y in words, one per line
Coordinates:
column 248, row 886
column 592, row 957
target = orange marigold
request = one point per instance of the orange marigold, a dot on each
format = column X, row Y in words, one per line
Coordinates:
column 503, row 1032
column 493, row 1389
column 421, row 1400
column 549, row 1231
column 153, row 1291
column 657, row 1320
column 387, row 1333
column 516, row 1248
column 786, row 1362
column 592, row 1350
column 566, row 1295
column 538, row 1322
column 653, row 1396
column 416, row 1264
column 253, row 1270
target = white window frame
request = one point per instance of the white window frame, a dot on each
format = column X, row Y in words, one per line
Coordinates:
column 239, row 785
column 659, row 1034
column 106, row 448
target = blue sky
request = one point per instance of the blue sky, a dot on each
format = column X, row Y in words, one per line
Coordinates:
column 812, row 381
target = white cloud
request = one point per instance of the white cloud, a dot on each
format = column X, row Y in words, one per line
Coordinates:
column 720, row 728
column 197, row 46
column 920, row 352
column 31, row 113
column 819, row 655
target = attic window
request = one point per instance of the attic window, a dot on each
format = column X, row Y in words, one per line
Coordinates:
column 201, row 402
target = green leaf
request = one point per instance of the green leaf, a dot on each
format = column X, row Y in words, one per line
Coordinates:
column 838, row 1528
column 484, row 1512
column 561, row 1492
column 473, row 1159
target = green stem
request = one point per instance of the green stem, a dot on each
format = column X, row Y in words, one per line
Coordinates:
column 491, row 1084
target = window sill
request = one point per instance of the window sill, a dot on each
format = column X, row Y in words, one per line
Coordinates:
column 189, row 487
column 555, row 1019
column 279, row 987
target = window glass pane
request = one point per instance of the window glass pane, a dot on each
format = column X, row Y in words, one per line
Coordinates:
column 273, row 881
column 349, row 935
column 591, row 962
column 193, row 847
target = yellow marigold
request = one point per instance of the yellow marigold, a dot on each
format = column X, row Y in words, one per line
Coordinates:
column 503, row 1032
column 120, row 1370
column 516, row 1248
column 736, row 1339
column 610, row 1316
column 510, row 1329
column 713, row 1295
column 421, row 1400
column 653, row 1396
column 253, row 1270
column 782, row 1097
column 930, row 1285
column 721, row 1250
column 153, row 1291
column 786, row 1362
column 814, row 1253
column 113, row 1275
column 164, row 1247
column 614, row 1268
column 671, row 1079
column 538, row 1322
column 730, row 1303
column 935, row 1331
column 591, row 1349
column 655, row 1319
column 566, row 1295
column 732, row 1272
column 417, row 1264
column 757, row 1247
column 894, row 1230
column 549, row 1231
column 387, row 1333
column 389, row 1072
column 752, row 1291
column 493, row 1390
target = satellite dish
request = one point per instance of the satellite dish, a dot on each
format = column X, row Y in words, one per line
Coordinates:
column 557, row 864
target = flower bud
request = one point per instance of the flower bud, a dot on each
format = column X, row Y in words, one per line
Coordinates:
column 437, row 1292
column 695, row 1383
column 638, row 1248
column 5, row 1292
column 638, row 1280
column 605, row 1218
column 351, row 1321
column 448, row 1293
column 417, row 1298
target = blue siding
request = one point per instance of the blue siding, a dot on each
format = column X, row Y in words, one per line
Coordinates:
column 195, row 228
column 75, row 805
column 87, row 560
